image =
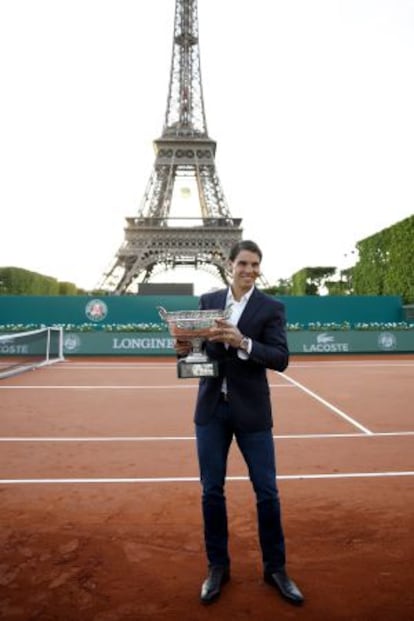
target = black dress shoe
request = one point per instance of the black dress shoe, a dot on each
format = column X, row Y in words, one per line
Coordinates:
column 211, row 588
column 286, row 587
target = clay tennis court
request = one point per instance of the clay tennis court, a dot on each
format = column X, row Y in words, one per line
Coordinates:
column 100, row 498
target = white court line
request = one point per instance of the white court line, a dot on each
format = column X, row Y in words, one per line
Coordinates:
column 283, row 477
column 111, row 366
column 330, row 406
column 356, row 363
column 154, row 387
column 310, row 436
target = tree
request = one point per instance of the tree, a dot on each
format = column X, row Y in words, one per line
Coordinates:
column 282, row 287
column 310, row 280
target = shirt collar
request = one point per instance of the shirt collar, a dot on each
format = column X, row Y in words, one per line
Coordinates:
column 243, row 300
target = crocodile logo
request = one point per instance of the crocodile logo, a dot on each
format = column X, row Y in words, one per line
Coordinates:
column 324, row 338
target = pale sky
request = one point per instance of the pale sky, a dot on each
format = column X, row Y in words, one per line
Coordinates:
column 310, row 101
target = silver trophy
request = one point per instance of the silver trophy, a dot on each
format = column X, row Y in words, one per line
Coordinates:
column 194, row 326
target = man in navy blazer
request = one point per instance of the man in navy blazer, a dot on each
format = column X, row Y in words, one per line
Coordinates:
column 237, row 403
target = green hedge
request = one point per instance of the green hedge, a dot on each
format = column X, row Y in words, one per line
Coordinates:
column 18, row 281
column 386, row 262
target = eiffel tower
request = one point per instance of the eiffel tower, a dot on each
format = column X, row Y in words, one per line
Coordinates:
column 154, row 241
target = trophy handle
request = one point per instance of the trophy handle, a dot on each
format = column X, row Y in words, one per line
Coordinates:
column 162, row 312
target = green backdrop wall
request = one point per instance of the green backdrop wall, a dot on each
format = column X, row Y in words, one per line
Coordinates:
column 77, row 310
column 123, row 310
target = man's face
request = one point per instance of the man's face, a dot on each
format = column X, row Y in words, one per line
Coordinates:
column 245, row 270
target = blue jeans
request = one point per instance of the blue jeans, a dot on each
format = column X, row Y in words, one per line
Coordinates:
column 213, row 444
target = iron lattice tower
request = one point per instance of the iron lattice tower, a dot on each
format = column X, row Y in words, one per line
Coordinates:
column 153, row 240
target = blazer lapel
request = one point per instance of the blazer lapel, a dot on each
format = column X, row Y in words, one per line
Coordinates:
column 249, row 311
column 216, row 300
column 220, row 300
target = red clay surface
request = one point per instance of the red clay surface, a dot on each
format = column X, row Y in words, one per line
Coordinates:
column 100, row 497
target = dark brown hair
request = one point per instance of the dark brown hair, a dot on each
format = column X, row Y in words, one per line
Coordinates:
column 245, row 244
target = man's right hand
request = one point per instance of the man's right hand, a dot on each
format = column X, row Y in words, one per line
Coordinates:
column 182, row 348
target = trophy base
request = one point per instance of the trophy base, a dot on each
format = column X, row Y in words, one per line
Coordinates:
column 187, row 369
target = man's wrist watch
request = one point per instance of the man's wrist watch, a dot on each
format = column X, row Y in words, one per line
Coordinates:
column 244, row 344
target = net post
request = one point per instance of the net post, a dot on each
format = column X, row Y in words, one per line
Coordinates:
column 61, row 343
column 48, row 345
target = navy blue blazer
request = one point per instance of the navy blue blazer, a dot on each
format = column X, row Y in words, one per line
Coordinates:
column 263, row 320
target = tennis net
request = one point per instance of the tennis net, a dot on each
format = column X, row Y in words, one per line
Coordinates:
column 23, row 351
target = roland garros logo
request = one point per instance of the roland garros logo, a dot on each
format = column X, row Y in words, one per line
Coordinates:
column 71, row 342
column 96, row 310
column 387, row 341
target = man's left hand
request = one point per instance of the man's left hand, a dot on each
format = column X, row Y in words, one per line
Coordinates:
column 226, row 333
